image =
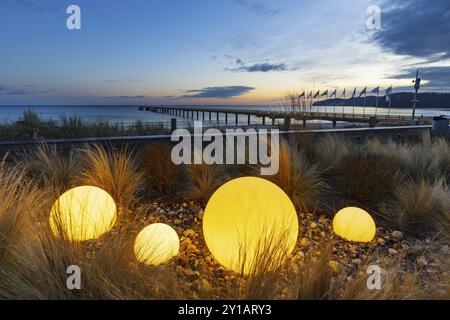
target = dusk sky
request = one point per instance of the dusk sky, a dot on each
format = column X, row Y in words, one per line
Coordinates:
column 215, row 52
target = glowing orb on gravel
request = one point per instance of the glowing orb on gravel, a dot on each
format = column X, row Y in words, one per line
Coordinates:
column 248, row 219
column 156, row 244
column 83, row 213
column 354, row 224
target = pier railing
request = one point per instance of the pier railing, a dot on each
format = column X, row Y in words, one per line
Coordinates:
column 230, row 116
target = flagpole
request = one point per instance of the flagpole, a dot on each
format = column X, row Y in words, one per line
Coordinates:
column 364, row 108
column 343, row 107
column 416, row 90
column 390, row 102
column 376, row 104
column 353, row 100
column 335, row 98
column 318, row 100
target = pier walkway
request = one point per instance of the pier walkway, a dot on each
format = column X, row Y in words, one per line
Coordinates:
column 269, row 117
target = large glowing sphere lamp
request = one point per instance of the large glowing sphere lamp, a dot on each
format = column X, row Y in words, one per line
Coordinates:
column 248, row 220
column 354, row 224
column 156, row 244
column 83, row 213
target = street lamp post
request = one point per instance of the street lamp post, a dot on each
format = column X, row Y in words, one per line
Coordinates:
column 416, row 88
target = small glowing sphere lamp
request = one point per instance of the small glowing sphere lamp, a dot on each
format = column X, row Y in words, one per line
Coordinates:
column 354, row 224
column 83, row 213
column 156, row 244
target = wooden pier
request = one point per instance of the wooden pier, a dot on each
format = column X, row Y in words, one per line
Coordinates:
column 270, row 117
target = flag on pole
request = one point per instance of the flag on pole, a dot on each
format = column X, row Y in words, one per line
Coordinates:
column 343, row 93
column 388, row 93
column 376, row 90
column 302, row 95
column 354, row 93
column 310, row 95
column 317, row 94
column 364, row 92
column 334, row 93
column 325, row 94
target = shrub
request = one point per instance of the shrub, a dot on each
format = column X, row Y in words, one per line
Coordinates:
column 161, row 175
column 202, row 181
column 441, row 151
column 306, row 144
column 330, row 149
column 367, row 177
column 420, row 206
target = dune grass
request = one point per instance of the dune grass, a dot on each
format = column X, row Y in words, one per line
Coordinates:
column 33, row 127
column 114, row 171
column 300, row 179
column 422, row 207
column 33, row 262
column 367, row 178
column 202, row 181
column 162, row 177
column 48, row 168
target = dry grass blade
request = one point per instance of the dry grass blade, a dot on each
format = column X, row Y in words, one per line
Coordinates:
column 113, row 171
column 300, row 180
column 50, row 169
column 203, row 181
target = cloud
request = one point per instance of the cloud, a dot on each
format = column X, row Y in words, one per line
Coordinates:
column 124, row 80
column 18, row 91
column 438, row 78
column 257, row 8
column 263, row 67
column 125, row 97
column 241, row 66
column 416, row 28
column 218, row 92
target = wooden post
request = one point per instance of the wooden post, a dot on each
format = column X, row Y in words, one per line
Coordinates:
column 217, row 117
column 287, row 123
column 237, row 119
column 173, row 124
column 248, row 120
column 209, row 116
column 264, row 120
column 226, row 118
